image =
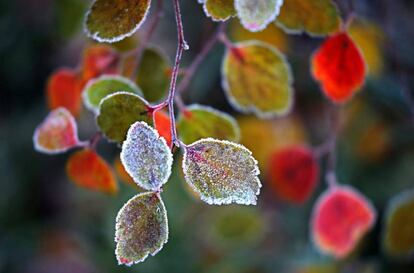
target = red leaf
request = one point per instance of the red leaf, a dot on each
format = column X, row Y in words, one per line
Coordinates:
column 341, row 217
column 64, row 90
column 87, row 169
column 163, row 125
column 339, row 67
column 99, row 60
column 294, row 173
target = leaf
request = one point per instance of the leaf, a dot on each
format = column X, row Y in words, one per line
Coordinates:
column 219, row 10
column 57, row 133
column 257, row 79
column 87, row 169
column 162, row 124
column 221, row 172
column 154, row 74
column 340, row 218
column 64, row 90
column 99, row 88
column 122, row 173
column 146, row 157
column 339, row 67
column 262, row 137
column 294, row 173
column 398, row 239
column 255, row 15
column 141, row 228
column 98, row 60
column 317, row 17
column 118, row 111
column 198, row 122
column 370, row 39
column 113, row 20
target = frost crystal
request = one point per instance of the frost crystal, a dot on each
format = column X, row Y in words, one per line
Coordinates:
column 146, row 156
column 222, row 172
column 141, row 228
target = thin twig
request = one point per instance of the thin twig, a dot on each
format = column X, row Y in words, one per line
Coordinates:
column 182, row 45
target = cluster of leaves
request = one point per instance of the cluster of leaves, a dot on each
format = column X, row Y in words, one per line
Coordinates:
column 256, row 78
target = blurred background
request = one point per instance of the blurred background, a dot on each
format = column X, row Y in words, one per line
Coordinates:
column 47, row 224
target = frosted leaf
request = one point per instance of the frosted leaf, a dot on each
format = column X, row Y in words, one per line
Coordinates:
column 118, row 111
column 57, row 133
column 219, row 10
column 200, row 121
column 255, row 15
column 222, row 172
column 113, row 20
column 146, row 157
column 99, row 88
column 141, row 228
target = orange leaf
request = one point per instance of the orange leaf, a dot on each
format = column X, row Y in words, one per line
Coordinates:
column 87, row 169
column 64, row 90
column 99, row 60
column 339, row 67
column 163, row 125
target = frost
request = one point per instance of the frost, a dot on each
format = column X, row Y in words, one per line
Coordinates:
column 113, row 20
column 141, row 228
column 146, row 157
column 255, row 15
column 222, row 172
column 99, row 88
column 57, row 133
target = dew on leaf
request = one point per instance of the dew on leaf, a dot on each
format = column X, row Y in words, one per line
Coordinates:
column 57, row 133
column 64, row 89
column 398, row 238
column 257, row 79
column 113, row 20
column 221, row 172
column 154, row 74
column 219, row 10
column 255, row 15
column 198, row 122
column 339, row 67
column 162, row 124
column 293, row 173
column 87, row 169
column 99, row 88
column 141, row 228
column 146, row 157
column 340, row 218
column 118, row 111
column 316, row 17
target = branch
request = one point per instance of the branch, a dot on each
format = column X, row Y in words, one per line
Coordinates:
column 182, row 45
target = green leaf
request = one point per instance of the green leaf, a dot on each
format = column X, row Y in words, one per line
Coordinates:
column 113, row 20
column 316, row 17
column 99, row 88
column 118, row 111
column 199, row 122
column 141, row 228
column 257, row 79
column 154, row 74
column 255, row 15
column 219, row 10
column 398, row 239
column 146, row 157
column 222, row 172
